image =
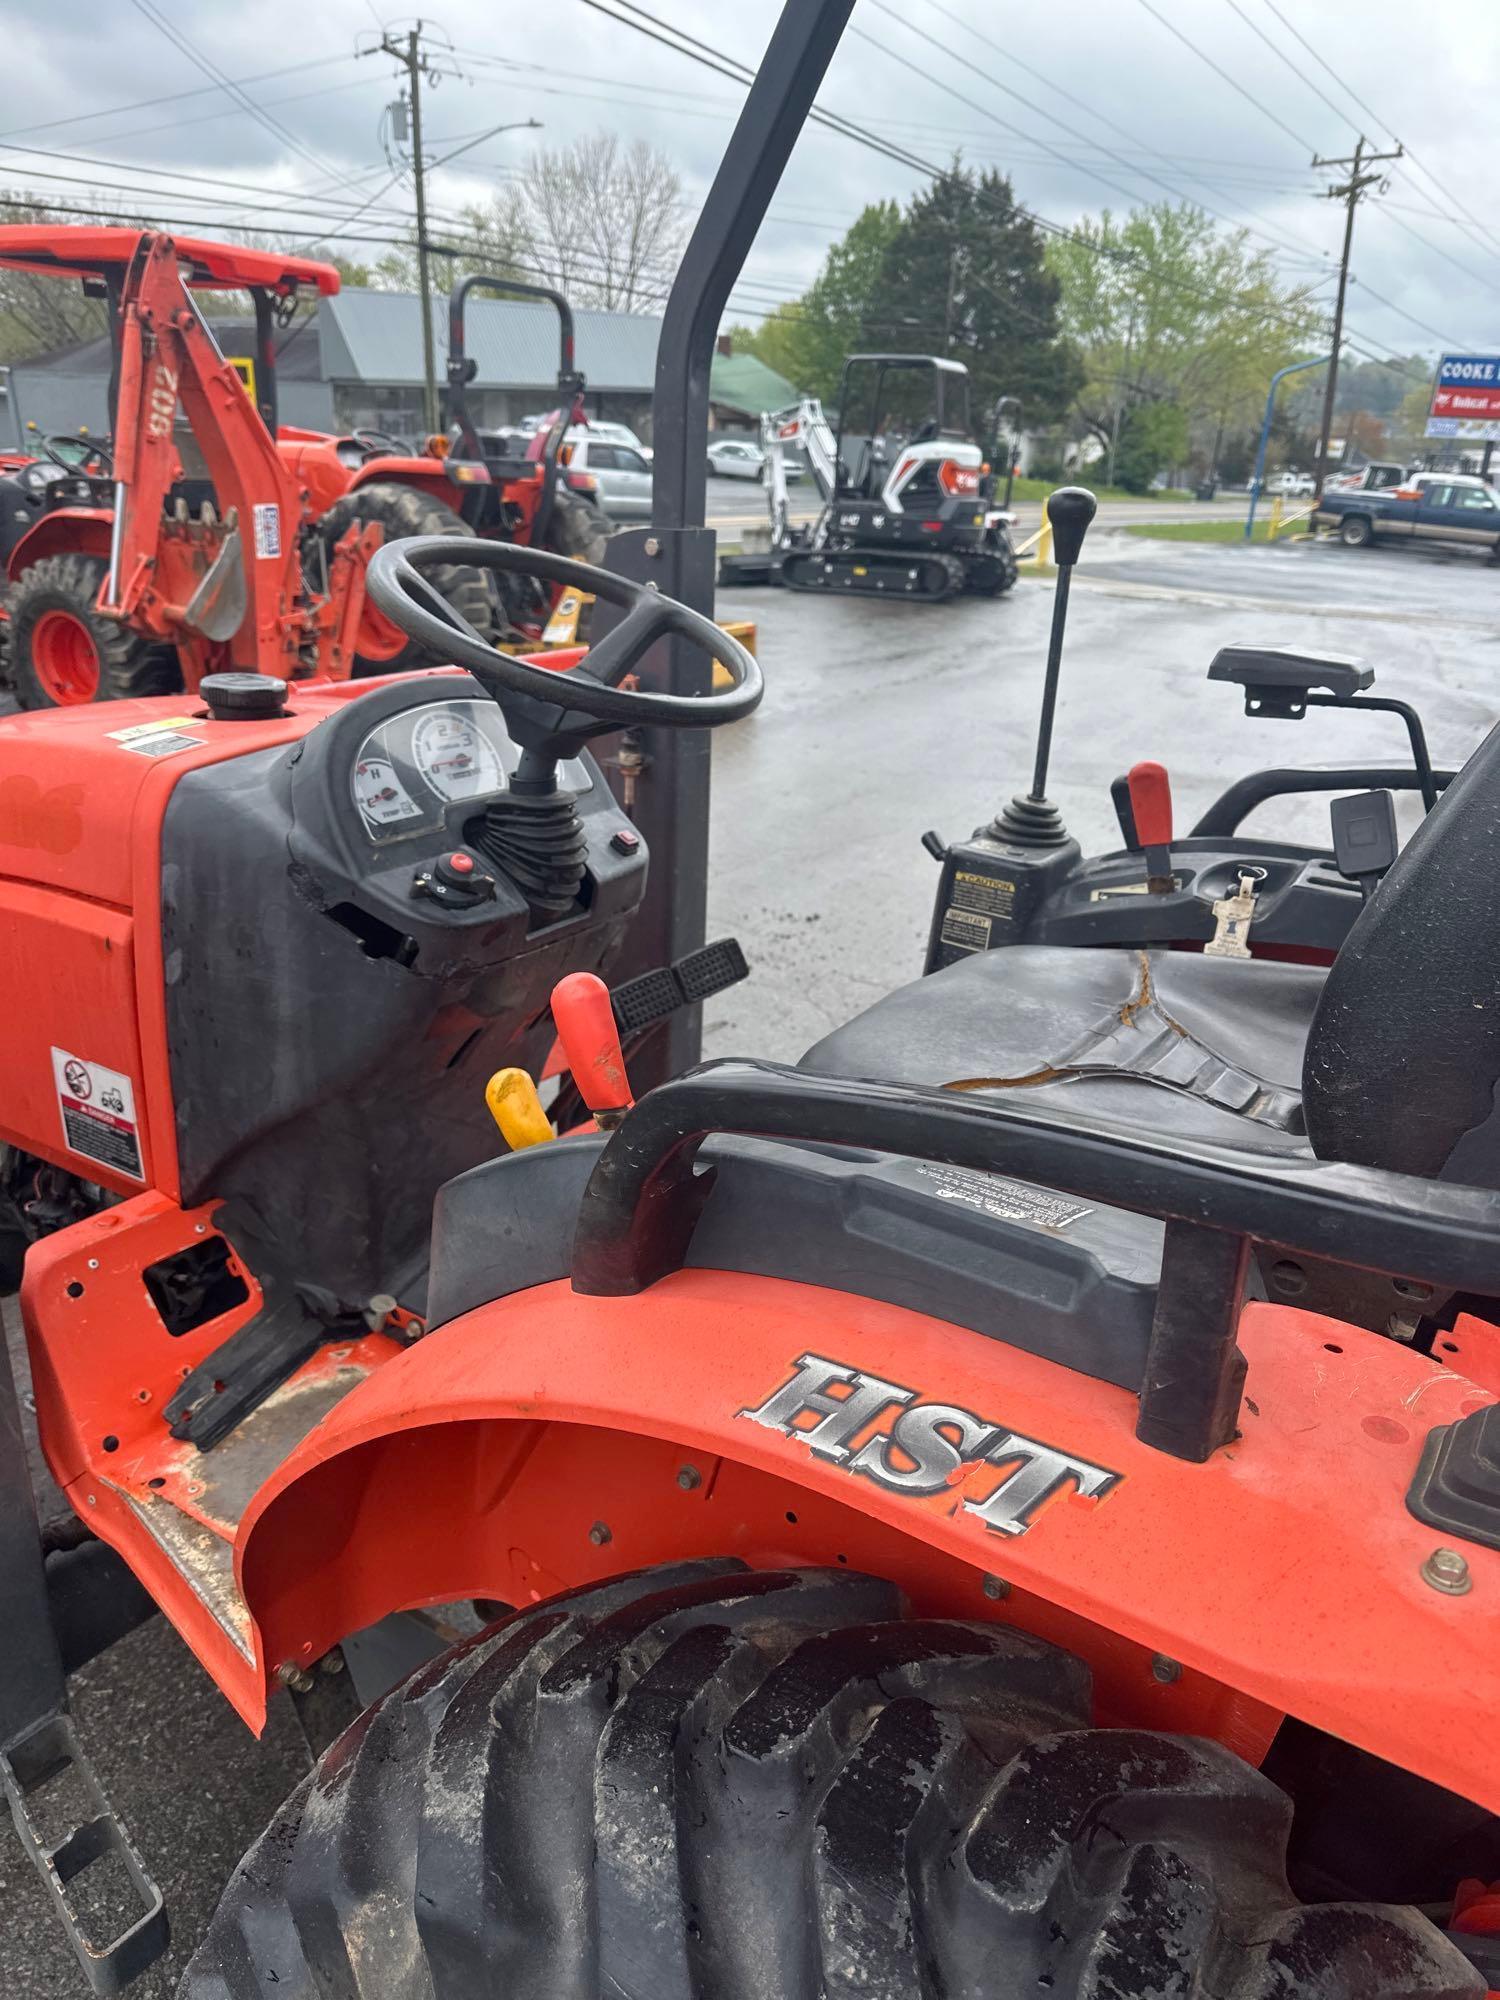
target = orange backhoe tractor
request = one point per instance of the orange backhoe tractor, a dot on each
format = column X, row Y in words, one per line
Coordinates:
column 228, row 541
column 1006, row 1506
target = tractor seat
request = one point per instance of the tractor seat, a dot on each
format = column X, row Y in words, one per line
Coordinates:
column 1209, row 1048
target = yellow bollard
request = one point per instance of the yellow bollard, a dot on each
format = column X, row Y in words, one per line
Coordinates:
column 517, row 1110
column 1044, row 540
column 1273, row 527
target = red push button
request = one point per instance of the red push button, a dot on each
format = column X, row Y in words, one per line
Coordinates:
column 461, row 864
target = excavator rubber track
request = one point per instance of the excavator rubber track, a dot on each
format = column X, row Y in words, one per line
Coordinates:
column 874, row 573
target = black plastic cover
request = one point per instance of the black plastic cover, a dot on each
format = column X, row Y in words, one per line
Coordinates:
column 1457, row 1483
column 1284, row 667
column 1364, row 834
column 1069, row 1281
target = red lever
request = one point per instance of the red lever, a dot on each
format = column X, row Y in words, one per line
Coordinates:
column 591, row 1042
column 1151, row 804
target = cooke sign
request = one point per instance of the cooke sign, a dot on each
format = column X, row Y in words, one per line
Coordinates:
column 1466, row 398
column 919, row 1445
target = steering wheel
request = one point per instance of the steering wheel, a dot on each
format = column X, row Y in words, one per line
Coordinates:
column 380, row 444
column 588, row 700
column 74, row 453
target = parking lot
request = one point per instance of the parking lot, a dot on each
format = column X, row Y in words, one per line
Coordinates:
column 880, row 720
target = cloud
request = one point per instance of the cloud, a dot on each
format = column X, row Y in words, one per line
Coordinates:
column 1109, row 109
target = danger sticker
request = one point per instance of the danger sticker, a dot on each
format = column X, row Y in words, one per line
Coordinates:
column 267, row 530
column 98, row 1113
column 138, row 729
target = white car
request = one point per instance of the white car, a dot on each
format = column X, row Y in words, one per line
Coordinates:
column 735, row 458
column 1292, row 485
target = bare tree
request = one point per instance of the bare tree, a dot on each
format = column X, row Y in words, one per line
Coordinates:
column 606, row 221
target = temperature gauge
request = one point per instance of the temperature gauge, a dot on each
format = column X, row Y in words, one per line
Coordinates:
column 380, row 795
column 454, row 756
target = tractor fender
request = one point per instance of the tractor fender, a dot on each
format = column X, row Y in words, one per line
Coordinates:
column 426, row 473
column 550, row 1439
column 67, row 531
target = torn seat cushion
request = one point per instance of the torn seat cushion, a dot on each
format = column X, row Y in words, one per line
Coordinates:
column 1206, row 1047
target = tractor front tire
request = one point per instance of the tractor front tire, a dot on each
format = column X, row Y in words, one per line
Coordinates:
column 703, row 1782
column 61, row 652
column 379, row 648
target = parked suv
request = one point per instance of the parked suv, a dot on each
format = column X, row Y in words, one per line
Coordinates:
column 1292, row 485
column 1431, row 507
column 621, row 475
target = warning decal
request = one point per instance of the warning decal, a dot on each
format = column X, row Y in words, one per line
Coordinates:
column 98, row 1113
column 267, row 530
column 158, row 739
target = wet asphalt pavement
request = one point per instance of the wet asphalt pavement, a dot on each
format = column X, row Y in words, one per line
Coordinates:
column 880, row 720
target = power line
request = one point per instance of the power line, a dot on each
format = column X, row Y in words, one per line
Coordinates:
column 177, row 96
column 1072, row 131
column 182, row 42
column 1296, row 68
column 1218, row 70
column 1374, row 116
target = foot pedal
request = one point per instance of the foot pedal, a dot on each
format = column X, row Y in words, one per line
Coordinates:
column 641, row 1002
column 46, row 1755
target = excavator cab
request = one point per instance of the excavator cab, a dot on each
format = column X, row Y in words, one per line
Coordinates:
column 889, row 404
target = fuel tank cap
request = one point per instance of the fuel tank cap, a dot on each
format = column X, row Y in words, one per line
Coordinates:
column 243, row 697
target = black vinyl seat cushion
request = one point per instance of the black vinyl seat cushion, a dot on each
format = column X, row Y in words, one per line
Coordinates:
column 1207, row 1047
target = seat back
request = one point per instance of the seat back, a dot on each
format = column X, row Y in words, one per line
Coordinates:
column 1403, row 1057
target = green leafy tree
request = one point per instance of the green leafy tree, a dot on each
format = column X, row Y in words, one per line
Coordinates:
column 1166, row 308
column 808, row 339
column 966, row 276
column 1152, row 437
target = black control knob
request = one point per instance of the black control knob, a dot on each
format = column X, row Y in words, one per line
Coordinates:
column 455, row 880
column 243, row 697
column 1069, row 509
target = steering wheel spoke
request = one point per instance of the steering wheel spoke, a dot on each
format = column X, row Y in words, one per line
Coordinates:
column 621, row 651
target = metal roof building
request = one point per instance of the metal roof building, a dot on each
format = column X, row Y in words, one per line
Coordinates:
column 359, row 362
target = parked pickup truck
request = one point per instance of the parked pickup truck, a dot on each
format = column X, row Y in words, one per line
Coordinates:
column 1431, row 507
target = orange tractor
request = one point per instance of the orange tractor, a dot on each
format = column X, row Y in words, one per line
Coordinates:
column 230, row 542
column 1007, row 1506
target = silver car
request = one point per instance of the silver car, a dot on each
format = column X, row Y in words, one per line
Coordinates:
column 621, row 476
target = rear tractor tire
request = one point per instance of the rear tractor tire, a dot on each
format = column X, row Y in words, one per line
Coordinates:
column 61, row 652
column 379, row 647
column 703, row 1782
column 579, row 528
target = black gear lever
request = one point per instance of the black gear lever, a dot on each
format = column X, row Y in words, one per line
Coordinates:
column 1033, row 821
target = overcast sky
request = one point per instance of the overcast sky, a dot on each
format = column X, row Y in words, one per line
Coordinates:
column 1118, row 110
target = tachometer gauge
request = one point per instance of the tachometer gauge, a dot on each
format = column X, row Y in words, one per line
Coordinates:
column 455, row 758
column 380, row 795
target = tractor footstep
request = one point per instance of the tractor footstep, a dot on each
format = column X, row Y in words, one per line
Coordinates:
column 109, row 1906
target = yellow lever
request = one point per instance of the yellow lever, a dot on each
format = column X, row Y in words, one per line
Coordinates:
column 517, row 1110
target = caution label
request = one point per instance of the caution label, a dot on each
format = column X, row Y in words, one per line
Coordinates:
column 98, row 1113
column 1012, row 1201
column 267, row 530
column 158, row 739
column 990, row 895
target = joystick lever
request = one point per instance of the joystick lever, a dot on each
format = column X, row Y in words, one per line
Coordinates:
column 1151, row 810
column 585, row 1019
column 1033, row 821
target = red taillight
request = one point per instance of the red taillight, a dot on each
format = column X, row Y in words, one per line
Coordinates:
column 956, row 478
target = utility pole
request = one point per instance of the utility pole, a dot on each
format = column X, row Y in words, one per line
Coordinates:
column 409, row 55
column 1350, row 193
